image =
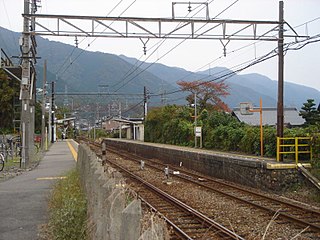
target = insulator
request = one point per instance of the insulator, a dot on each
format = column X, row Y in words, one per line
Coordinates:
column 189, row 8
column 76, row 41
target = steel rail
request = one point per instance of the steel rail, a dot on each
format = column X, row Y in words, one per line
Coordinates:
column 263, row 197
column 178, row 230
column 202, row 218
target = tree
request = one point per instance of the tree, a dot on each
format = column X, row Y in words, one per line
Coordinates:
column 208, row 94
column 8, row 90
column 309, row 112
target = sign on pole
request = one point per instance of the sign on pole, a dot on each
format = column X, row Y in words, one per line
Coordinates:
column 198, row 131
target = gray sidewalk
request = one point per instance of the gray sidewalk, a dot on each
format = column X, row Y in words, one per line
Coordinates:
column 23, row 199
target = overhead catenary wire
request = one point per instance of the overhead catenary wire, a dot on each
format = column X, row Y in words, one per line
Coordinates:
column 221, row 57
column 13, row 39
column 67, row 58
column 151, row 64
column 265, row 57
column 228, row 53
column 158, row 46
column 134, row 68
column 132, row 107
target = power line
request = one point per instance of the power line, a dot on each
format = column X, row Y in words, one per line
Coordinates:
column 263, row 58
column 133, row 107
column 66, row 59
column 193, row 73
column 159, row 44
column 129, row 73
column 168, row 51
column 186, row 39
column 5, row 9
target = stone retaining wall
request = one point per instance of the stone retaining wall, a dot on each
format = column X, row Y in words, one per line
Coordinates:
column 250, row 172
column 110, row 215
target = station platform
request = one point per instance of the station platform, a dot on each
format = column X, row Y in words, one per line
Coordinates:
column 24, row 198
column 267, row 162
column 252, row 171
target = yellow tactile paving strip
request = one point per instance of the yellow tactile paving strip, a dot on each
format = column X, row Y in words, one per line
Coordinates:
column 73, row 151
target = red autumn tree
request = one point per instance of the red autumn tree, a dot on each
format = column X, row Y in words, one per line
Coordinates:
column 208, row 94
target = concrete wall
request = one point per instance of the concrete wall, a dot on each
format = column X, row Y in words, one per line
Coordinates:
column 251, row 172
column 111, row 216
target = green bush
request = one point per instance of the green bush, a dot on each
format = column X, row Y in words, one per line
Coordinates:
column 68, row 209
column 250, row 142
column 221, row 131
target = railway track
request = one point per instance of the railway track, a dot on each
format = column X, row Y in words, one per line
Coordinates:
column 288, row 212
column 293, row 212
column 301, row 215
column 185, row 221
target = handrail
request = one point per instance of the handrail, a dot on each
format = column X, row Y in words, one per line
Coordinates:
column 282, row 145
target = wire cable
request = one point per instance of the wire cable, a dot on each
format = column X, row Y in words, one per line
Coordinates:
column 5, row 9
column 265, row 57
column 66, row 59
column 143, row 70
column 134, row 68
column 243, row 47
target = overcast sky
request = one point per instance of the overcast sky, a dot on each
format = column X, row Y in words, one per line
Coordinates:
column 302, row 66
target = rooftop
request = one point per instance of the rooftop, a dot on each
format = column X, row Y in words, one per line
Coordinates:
column 269, row 117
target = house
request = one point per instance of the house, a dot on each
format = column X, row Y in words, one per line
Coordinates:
column 269, row 117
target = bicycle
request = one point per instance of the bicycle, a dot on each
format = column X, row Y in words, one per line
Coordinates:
column 1, row 162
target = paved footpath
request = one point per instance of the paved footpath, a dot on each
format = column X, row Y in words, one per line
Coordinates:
column 24, row 198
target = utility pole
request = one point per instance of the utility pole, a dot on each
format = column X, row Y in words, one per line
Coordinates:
column 195, row 119
column 120, row 127
column 43, row 118
column 25, row 88
column 27, row 44
column 53, row 135
column 280, row 118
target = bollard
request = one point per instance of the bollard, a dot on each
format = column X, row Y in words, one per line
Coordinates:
column 104, row 153
column 141, row 164
column 166, row 172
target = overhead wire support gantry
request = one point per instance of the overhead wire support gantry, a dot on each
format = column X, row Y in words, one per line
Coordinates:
column 148, row 28
column 224, row 30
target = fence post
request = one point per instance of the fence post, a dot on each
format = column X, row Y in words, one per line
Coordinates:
column 278, row 149
column 311, row 148
column 296, row 145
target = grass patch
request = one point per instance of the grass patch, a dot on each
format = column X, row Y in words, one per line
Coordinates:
column 68, row 209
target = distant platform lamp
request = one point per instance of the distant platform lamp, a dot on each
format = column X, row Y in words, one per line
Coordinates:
column 246, row 108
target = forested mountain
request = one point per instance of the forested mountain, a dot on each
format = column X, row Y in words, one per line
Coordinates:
column 84, row 71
